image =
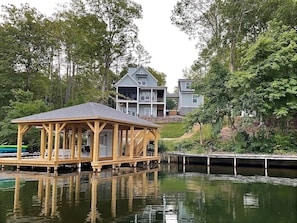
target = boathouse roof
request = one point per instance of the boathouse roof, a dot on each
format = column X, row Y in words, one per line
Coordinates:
column 86, row 111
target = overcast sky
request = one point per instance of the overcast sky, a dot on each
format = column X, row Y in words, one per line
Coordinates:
column 171, row 50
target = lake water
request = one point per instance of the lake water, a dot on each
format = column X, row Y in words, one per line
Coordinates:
column 171, row 193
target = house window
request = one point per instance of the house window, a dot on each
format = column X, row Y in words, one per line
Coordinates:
column 188, row 85
column 142, row 81
column 195, row 98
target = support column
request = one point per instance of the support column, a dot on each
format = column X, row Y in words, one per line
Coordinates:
column 234, row 162
column 265, row 163
column 156, row 142
column 121, row 143
column 57, row 141
column 20, row 142
column 131, row 149
column 115, row 146
column 96, row 141
column 42, row 143
column 72, row 147
column 208, row 161
column 127, row 142
column 144, row 142
column 79, row 142
column 50, row 141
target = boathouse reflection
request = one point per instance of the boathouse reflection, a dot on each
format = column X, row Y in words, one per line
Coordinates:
column 77, row 191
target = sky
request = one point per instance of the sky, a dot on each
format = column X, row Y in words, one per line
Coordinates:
column 170, row 49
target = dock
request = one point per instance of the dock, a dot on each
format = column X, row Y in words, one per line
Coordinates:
column 235, row 159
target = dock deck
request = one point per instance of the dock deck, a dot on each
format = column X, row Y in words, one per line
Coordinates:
column 235, row 157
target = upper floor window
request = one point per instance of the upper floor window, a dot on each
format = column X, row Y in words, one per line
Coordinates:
column 195, row 98
column 188, row 85
column 142, row 81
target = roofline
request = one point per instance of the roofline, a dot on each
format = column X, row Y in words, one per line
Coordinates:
column 84, row 119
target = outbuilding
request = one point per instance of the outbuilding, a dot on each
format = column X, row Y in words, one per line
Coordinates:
column 88, row 132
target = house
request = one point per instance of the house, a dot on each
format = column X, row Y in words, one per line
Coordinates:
column 138, row 94
column 188, row 99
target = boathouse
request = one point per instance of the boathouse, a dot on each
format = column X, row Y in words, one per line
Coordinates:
column 87, row 133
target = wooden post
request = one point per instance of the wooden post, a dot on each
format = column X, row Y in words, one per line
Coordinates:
column 50, row 141
column 42, row 143
column 79, row 142
column 115, row 146
column 127, row 143
column 57, row 141
column 96, row 141
column 72, row 152
column 20, row 142
column 121, row 143
column 144, row 142
column 156, row 142
column 131, row 142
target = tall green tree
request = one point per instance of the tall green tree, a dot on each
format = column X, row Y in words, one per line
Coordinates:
column 268, row 79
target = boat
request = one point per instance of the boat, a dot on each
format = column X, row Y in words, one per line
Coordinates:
column 9, row 183
column 11, row 148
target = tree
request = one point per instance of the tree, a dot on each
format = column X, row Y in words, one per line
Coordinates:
column 268, row 77
column 22, row 105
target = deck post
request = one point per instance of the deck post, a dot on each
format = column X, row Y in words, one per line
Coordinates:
column 234, row 162
column 144, row 142
column 50, row 142
column 156, row 142
column 42, row 143
column 265, row 163
column 131, row 142
column 20, row 140
column 115, row 146
column 57, row 141
column 121, row 143
column 79, row 142
column 168, row 158
column 113, row 197
column 72, row 147
column 208, row 161
column 96, row 142
column 184, row 160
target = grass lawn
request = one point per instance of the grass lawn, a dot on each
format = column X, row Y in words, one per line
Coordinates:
column 172, row 130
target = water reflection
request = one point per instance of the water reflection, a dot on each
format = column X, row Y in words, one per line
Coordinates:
column 172, row 193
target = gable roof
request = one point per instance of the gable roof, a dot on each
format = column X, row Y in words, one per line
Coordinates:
column 132, row 71
column 86, row 111
column 142, row 67
column 127, row 76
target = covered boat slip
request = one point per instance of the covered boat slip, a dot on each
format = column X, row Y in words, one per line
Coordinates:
column 87, row 133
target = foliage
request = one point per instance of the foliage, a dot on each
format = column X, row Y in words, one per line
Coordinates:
column 167, row 130
column 171, row 104
column 23, row 105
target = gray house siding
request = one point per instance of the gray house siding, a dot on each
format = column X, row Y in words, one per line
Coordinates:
column 140, row 95
column 188, row 98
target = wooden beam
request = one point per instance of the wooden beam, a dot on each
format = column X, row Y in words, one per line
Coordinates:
column 72, row 147
column 91, row 126
column 46, row 128
column 42, row 142
column 156, row 142
column 50, row 141
column 96, row 142
column 62, row 127
column 121, row 143
column 144, row 141
column 57, row 140
column 20, row 142
column 131, row 142
column 79, row 142
column 115, row 144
